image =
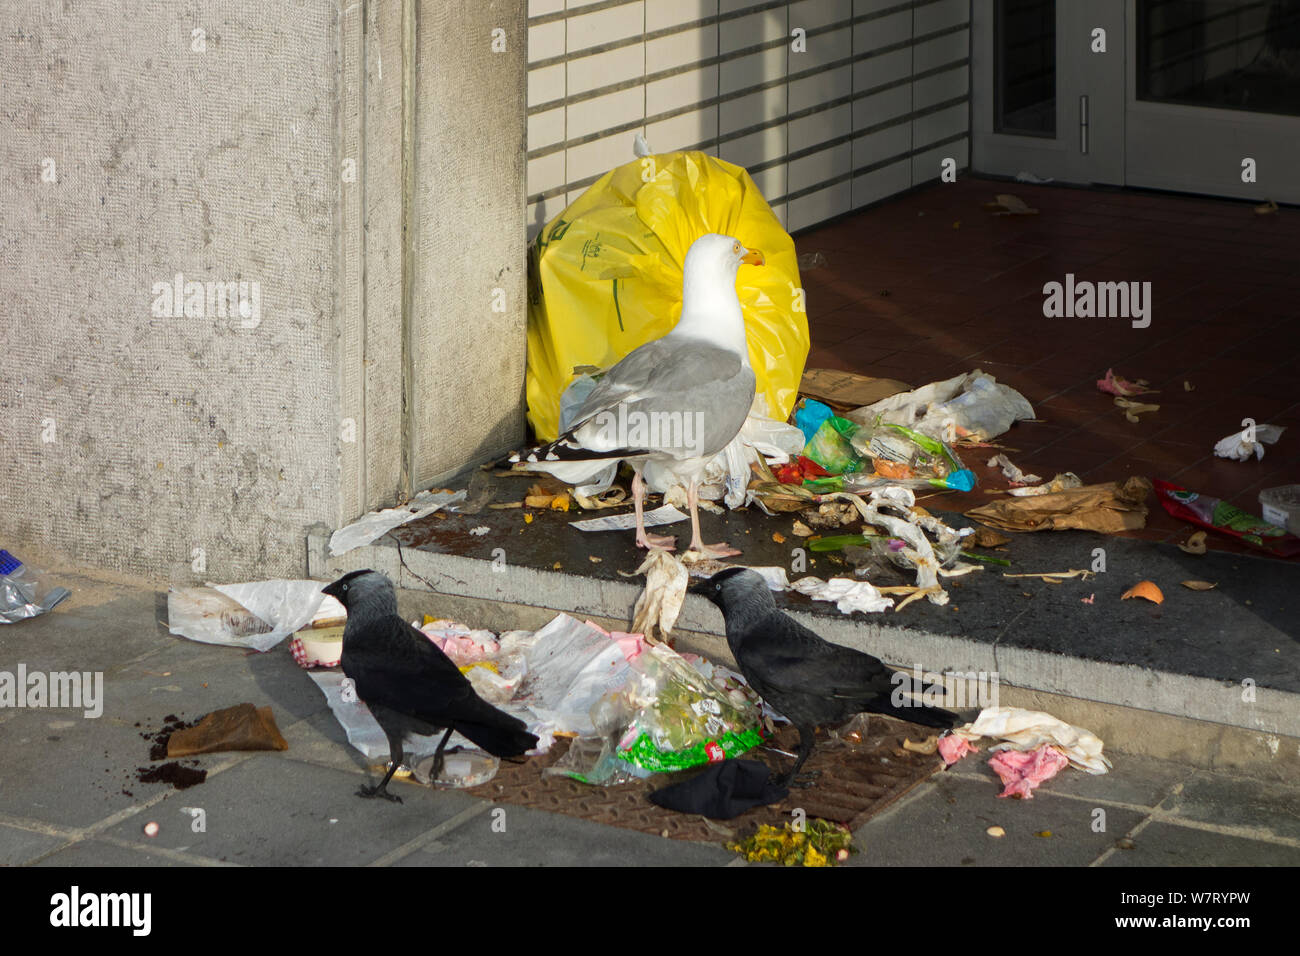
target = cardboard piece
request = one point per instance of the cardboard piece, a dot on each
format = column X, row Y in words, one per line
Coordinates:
column 848, row 390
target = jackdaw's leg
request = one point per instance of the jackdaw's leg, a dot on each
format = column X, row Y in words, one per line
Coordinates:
column 643, row 538
column 437, row 757
column 807, row 738
column 395, row 756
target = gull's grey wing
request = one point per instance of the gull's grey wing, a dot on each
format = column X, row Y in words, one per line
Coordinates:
column 669, row 377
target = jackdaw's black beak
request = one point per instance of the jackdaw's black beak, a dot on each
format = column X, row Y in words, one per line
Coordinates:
column 701, row 587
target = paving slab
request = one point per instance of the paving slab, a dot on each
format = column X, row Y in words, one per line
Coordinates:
column 520, row 836
column 944, row 823
column 1168, row 844
column 269, row 811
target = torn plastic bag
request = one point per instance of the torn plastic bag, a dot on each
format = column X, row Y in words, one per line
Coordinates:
column 974, row 405
column 570, row 666
column 667, row 717
column 25, row 591
column 378, row 523
column 256, row 614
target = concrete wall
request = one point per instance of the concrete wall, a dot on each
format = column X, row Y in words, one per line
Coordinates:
column 870, row 104
column 281, row 148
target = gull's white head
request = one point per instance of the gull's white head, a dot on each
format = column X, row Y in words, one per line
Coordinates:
column 710, row 307
column 718, row 255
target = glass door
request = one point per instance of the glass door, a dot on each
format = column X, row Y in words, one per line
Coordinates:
column 1047, row 89
column 1213, row 101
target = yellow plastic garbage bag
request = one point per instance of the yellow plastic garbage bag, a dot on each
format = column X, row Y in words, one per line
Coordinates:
column 605, row 276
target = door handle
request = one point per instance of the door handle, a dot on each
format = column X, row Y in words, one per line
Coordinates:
column 1083, row 124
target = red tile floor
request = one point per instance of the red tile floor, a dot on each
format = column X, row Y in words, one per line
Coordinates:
column 932, row 284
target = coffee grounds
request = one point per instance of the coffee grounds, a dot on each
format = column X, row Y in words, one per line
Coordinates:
column 174, row 773
column 160, row 738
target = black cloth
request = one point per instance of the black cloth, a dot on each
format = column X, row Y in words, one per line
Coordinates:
column 723, row 791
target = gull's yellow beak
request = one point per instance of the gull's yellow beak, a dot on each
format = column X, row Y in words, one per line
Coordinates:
column 753, row 257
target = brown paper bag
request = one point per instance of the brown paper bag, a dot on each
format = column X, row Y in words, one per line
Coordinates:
column 1107, row 508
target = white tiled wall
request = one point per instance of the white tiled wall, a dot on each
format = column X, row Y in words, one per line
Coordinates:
column 871, row 108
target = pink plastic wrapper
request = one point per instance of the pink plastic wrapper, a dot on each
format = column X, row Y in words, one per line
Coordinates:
column 952, row 748
column 1021, row 772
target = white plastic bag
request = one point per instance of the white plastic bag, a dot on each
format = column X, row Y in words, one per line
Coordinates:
column 256, row 614
column 369, row 527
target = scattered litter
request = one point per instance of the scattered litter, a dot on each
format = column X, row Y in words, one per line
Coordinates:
column 1106, row 508
column 1024, row 730
column 256, row 614
column 1062, row 482
column 317, row 647
column 987, row 538
column 1006, row 204
column 369, row 527
column 1188, row 386
column 1055, row 577
column 1266, row 209
column 723, row 791
column 151, row 829
column 801, row 530
column 25, row 591
column 1220, row 516
column 668, row 716
column 611, row 498
column 996, row 832
column 242, row 727
column 1199, row 585
column 848, row 595
column 1011, row 472
column 539, row 497
column 665, row 514
column 1195, row 544
column 1281, row 506
column 1118, row 385
column 658, row 606
column 810, row 260
column 1021, row 772
column 927, row 746
column 1133, row 409
column 461, row 643
column 178, row 775
column 1146, row 590
column 953, row 748
column 480, row 530
column 973, row 405
column 1239, row 446
column 1028, row 177
column 1090, row 599
column 818, row 843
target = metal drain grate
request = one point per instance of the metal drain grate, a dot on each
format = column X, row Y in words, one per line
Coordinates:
column 855, row 783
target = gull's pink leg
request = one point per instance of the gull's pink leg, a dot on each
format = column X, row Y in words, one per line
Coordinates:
column 720, row 550
column 643, row 538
